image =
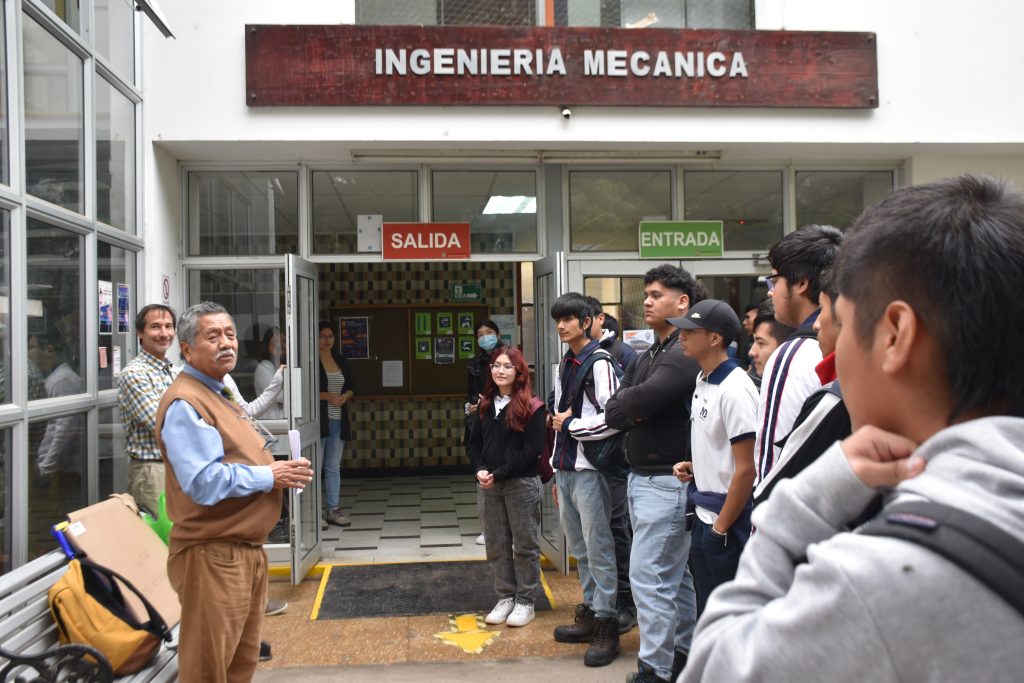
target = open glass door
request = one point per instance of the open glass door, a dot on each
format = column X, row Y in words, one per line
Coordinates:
column 303, row 409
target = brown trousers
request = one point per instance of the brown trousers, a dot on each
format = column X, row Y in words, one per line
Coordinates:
column 222, row 587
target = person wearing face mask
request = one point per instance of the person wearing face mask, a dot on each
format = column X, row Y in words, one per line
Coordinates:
column 478, row 371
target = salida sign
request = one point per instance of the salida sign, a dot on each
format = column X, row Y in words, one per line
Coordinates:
column 433, row 241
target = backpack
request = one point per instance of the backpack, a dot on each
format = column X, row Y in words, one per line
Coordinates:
column 990, row 554
column 544, row 460
column 607, row 455
column 88, row 607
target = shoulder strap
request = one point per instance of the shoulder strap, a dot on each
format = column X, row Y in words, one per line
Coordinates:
column 584, row 372
column 157, row 626
column 987, row 552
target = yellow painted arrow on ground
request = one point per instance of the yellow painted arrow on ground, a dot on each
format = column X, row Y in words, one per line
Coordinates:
column 468, row 632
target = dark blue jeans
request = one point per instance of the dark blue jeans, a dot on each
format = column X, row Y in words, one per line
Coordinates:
column 714, row 559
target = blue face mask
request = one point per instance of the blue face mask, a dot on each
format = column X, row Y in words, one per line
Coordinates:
column 487, row 342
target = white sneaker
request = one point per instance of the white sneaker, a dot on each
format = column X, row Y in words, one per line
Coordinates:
column 521, row 615
column 501, row 611
column 480, row 540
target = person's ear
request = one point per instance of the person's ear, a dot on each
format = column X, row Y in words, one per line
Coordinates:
column 185, row 351
column 800, row 287
column 898, row 332
column 684, row 302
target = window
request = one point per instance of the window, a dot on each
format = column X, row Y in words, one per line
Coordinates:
column 606, row 207
column 448, row 12
column 622, row 297
column 243, row 213
column 115, row 35
column 726, row 14
column 5, row 306
column 4, row 134
column 500, row 207
column 56, row 312
column 340, row 197
column 6, row 502
column 115, row 270
column 67, row 11
column 115, row 157
column 57, row 475
column 113, row 463
column 748, row 202
column 54, row 127
column 838, row 197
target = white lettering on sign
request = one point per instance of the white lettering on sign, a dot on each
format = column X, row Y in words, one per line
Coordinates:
column 679, row 239
column 430, row 240
column 447, row 61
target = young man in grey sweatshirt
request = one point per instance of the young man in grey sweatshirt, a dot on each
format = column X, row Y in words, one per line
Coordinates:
column 930, row 284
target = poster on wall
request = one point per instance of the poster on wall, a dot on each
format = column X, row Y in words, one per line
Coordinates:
column 506, row 326
column 123, row 308
column 354, row 336
column 106, row 307
column 423, row 348
column 391, row 373
column 444, row 350
column 466, row 323
column 444, row 323
column 467, row 347
column 422, row 323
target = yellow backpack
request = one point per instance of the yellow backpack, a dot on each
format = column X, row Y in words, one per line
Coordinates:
column 88, row 608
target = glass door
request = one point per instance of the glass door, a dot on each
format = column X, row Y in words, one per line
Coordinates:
column 302, row 408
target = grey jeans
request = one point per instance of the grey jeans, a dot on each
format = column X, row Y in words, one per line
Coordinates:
column 512, row 536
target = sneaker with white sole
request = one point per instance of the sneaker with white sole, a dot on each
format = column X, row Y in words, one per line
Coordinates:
column 500, row 612
column 522, row 614
column 480, row 540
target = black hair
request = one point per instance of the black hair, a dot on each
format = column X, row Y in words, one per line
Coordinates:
column 595, row 306
column 803, row 254
column 612, row 324
column 766, row 314
column 140, row 319
column 269, row 334
column 487, row 322
column 700, row 292
column 954, row 251
column 324, row 325
column 751, row 306
column 672, row 277
column 573, row 304
column 827, row 282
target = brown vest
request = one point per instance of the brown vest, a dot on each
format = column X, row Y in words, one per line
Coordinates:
column 247, row 519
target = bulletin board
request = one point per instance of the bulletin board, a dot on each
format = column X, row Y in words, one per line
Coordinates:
column 397, row 333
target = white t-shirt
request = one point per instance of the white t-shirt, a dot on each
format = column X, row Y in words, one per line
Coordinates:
column 723, row 412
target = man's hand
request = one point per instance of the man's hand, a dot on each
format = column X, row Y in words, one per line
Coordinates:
column 558, row 418
column 683, row 471
column 881, row 459
column 291, row 474
column 485, row 479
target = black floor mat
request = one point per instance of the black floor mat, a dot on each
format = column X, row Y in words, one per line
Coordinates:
column 411, row 589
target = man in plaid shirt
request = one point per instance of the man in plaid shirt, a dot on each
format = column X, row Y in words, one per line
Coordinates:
column 143, row 382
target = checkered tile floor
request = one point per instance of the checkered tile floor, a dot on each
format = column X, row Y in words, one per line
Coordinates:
column 403, row 519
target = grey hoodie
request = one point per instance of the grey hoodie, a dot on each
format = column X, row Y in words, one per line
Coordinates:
column 867, row 608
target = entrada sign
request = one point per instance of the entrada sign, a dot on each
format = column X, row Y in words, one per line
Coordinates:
column 432, row 241
column 681, row 239
column 347, row 65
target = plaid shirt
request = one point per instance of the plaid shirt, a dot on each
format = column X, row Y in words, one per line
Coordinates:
column 143, row 382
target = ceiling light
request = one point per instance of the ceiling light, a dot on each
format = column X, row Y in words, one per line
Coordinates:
column 517, row 204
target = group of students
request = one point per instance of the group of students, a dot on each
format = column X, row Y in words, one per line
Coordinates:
column 703, row 465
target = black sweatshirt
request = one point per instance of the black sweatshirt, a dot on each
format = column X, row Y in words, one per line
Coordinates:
column 504, row 452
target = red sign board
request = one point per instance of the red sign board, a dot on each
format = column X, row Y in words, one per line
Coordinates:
column 346, row 65
column 433, row 241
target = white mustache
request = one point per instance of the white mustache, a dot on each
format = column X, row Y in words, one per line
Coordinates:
column 225, row 354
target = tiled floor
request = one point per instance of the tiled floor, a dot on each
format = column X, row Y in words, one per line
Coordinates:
column 406, row 519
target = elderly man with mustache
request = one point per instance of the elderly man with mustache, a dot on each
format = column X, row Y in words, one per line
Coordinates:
column 224, row 496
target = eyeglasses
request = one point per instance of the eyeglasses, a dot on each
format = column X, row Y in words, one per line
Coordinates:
column 269, row 440
column 507, row 367
column 769, row 280
column 327, row 336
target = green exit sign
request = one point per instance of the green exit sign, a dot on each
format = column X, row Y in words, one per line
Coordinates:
column 466, row 291
column 680, row 239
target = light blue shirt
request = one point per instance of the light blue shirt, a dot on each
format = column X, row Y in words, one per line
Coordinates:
column 196, row 452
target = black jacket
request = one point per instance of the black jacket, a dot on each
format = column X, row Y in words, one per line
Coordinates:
column 346, row 424
column 504, row 452
column 653, row 403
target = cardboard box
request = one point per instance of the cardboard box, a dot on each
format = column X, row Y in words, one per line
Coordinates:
column 112, row 533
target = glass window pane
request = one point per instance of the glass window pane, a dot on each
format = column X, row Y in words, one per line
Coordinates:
column 4, row 135
column 447, row 12
column 748, row 202
column 67, row 10
column 255, row 298
column 56, row 476
column 112, row 461
column 500, row 207
column 623, row 297
column 56, row 311
column 727, row 14
column 606, row 207
column 115, row 270
column 115, row 35
column 656, row 13
column 5, row 306
column 340, row 197
column 6, row 502
column 115, row 157
column 838, row 197
column 237, row 213
column 53, row 118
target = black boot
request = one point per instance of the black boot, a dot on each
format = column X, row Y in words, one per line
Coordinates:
column 627, row 612
column 678, row 664
column 605, row 645
column 582, row 629
column 644, row 674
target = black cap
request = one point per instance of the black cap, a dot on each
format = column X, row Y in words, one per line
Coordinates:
column 711, row 315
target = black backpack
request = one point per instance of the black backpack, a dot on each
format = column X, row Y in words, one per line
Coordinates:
column 987, row 552
column 607, row 455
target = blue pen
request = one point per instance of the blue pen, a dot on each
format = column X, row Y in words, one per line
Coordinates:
column 58, row 533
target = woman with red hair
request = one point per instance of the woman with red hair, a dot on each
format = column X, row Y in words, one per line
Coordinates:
column 507, row 435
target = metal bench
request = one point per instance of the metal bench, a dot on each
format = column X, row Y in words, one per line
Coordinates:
column 29, row 650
